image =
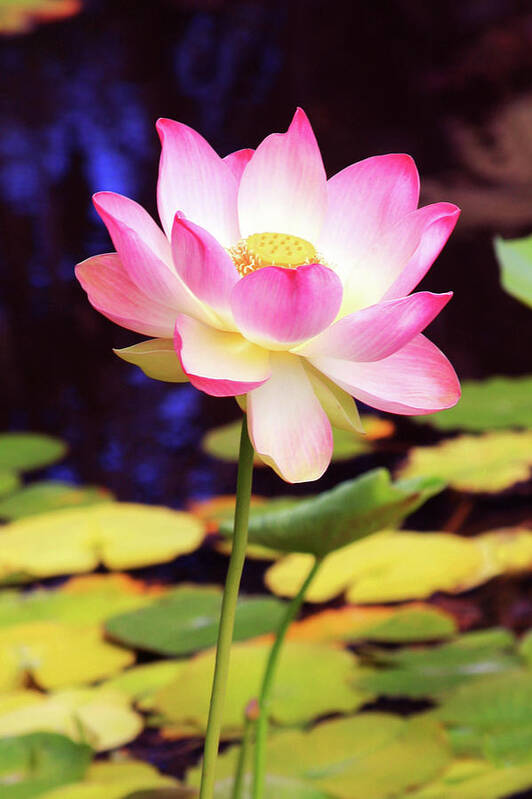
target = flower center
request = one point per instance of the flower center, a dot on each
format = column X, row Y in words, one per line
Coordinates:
column 272, row 249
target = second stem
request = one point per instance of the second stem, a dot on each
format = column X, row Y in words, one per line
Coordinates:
column 267, row 683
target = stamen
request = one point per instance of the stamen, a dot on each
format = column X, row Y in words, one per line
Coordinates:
column 272, row 249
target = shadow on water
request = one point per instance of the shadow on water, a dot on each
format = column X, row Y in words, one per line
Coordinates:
column 452, row 86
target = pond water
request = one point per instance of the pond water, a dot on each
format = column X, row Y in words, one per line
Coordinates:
column 451, row 85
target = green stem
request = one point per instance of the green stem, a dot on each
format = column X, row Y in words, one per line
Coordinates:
column 240, row 773
column 267, row 683
column 227, row 617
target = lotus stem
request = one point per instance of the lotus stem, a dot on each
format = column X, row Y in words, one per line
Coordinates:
column 261, row 733
column 227, row 617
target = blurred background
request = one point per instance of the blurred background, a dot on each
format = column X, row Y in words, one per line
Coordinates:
column 82, row 85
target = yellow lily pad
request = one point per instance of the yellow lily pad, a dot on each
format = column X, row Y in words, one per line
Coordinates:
column 48, row 495
column 21, row 16
column 58, row 655
column 470, row 778
column 394, row 566
column 369, row 756
column 140, row 683
column 88, row 599
column 117, row 779
column 119, row 535
column 479, row 464
column 312, row 680
column 102, row 718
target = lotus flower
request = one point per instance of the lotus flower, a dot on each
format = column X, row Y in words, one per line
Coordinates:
column 281, row 288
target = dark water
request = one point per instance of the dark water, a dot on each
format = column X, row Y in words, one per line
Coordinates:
column 449, row 83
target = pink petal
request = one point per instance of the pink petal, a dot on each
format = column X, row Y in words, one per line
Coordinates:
column 195, row 180
column 378, row 331
column 111, row 291
column 416, row 379
column 283, row 188
column 365, row 200
column 277, row 307
column 220, row 363
column 203, row 265
column 238, row 161
column 436, row 223
column 143, row 248
column 287, row 425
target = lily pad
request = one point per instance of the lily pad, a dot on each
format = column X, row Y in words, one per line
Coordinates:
column 21, row 16
column 120, row 779
column 475, row 779
column 223, row 442
column 369, row 756
column 426, row 672
column 33, row 764
column 486, row 463
column 119, row 535
column 354, row 509
column 9, row 482
column 58, row 655
column 84, row 600
column 22, row 452
column 140, row 683
column 515, row 259
column 312, row 680
column 97, row 716
column 186, row 620
column 497, row 403
column 49, row 495
column 410, row 623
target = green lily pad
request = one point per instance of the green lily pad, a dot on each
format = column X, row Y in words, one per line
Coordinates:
column 369, row 756
column 9, row 482
column 23, row 452
column 426, row 672
column 186, row 620
column 35, row 763
column 515, row 259
column 486, row 463
column 312, row 680
column 49, row 495
column 140, row 683
column 354, row 509
column 497, row 403
column 275, row 787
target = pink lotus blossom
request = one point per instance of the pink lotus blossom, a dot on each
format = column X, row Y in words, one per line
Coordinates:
column 277, row 286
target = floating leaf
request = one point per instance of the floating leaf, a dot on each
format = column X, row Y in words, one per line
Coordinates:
column 515, row 259
column 9, row 482
column 97, row 716
column 120, row 535
column 415, row 622
column 312, row 680
column 486, row 463
column 500, row 402
column 186, row 620
column 424, row 672
column 275, row 787
column 58, row 655
column 49, row 495
column 369, row 756
column 35, row 763
column 336, row 518
column 141, row 682
column 120, row 779
column 85, row 600
column 393, row 566
column 224, row 442
column 22, row 452
column 475, row 779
